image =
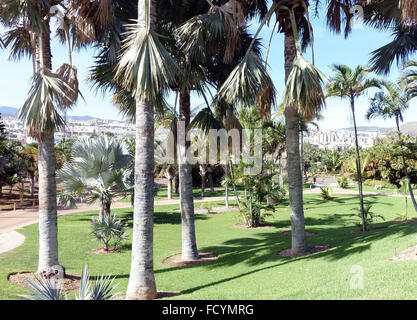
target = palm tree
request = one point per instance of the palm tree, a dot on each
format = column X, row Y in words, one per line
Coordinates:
column 50, row 95
column 391, row 103
column 145, row 69
column 351, row 84
column 98, row 170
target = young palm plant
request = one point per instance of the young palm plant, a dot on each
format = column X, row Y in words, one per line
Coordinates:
column 351, row 84
column 390, row 104
column 52, row 289
column 99, row 170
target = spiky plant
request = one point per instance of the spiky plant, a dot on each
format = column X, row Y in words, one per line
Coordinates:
column 108, row 228
column 52, row 289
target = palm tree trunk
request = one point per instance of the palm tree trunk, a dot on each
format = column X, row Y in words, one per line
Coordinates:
column 203, row 184
column 32, row 185
column 48, row 224
column 189, row 244
column 358, row 166
column 410, row 188
column 210, row 180
column 141, row 279
column 299, row 239
column 170, row 188
column 302, row 155
column 281, row 172
column 226, row 171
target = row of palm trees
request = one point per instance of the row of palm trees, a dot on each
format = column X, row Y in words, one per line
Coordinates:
column 173, row 46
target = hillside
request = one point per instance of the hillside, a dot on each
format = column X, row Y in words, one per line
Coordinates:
column 10, row 111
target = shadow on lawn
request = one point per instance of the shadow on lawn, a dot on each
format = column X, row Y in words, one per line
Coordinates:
column 263, row 247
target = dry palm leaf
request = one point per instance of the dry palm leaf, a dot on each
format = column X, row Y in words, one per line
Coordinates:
column 409, row 10
column 68, row 74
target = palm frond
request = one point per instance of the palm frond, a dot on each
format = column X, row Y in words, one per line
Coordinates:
column 304, row 89
column 41, row 110
column 145, row 67
column 402, row 46
column 68, row 74
column 245, row 81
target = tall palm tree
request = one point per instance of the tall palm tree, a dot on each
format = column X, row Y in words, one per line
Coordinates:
column 250, row 78
column 391, row 103
column 351, row 84
column 98, row 170
column 146, row 69
column 49, row 95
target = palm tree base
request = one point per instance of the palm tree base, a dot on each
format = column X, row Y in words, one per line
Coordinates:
column 177, row 260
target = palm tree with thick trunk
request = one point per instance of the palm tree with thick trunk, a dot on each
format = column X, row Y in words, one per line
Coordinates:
column 391, row 103
column 145, row 69
column 351, row 84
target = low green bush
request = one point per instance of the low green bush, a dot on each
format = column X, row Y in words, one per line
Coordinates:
column 343, row 182
column 384, row 184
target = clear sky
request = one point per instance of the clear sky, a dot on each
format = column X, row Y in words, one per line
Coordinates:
column 329, row 49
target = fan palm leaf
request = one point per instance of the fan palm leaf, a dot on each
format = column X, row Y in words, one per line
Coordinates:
column 41, row 109
column 245, row 81
column 304, row 89
column 145, row 67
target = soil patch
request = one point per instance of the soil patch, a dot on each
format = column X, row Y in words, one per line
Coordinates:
column 407, row 254
column 244, row 226
column 288, row 233
column 311, row 250
column 103, row 251
column 175, row 260
column 70, row 282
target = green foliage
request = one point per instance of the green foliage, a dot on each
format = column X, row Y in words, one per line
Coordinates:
column 383, row 184
column 343, row 182
column 99, row 170
column 326, row 193
column 370, row 216
column 208, row 205
column 108, row 228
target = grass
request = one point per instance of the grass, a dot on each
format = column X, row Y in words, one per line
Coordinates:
column 249, row 266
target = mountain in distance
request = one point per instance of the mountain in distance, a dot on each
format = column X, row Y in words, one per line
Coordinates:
column 370, row 129
column 9, row 111
column 12, row 112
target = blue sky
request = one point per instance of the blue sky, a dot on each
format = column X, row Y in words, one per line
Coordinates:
column 329, row 49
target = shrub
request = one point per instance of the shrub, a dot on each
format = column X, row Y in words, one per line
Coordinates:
column 326, row 193
column 370, row 216
column 208, row 205
column 108, row 228
column 374, row 183
column 343, row 182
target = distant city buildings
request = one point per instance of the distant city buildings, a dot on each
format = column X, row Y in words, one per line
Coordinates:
column 16, row 130
column 341, row 139
column 322, row 139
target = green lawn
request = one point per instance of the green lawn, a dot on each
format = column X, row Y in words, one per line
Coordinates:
column 249, row 266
